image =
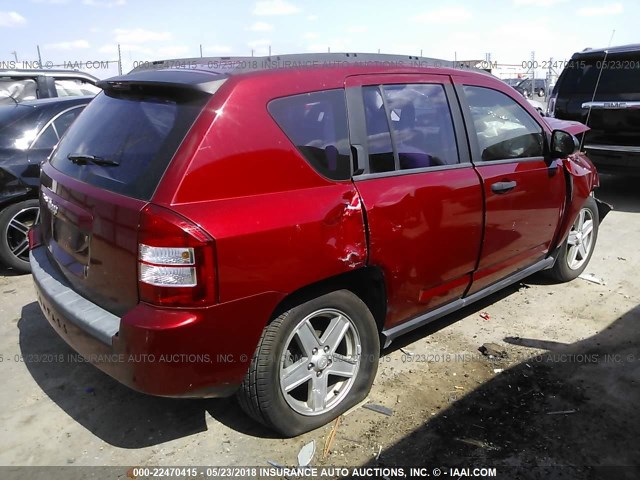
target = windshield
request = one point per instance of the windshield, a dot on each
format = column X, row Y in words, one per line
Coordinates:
column 134, row 137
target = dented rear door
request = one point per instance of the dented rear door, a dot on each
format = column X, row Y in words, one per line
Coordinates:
column 422, row 198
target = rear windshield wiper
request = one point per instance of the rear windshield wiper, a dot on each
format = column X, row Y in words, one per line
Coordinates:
column 81, row 159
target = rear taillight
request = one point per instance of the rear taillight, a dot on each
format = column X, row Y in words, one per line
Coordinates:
column 176, row 260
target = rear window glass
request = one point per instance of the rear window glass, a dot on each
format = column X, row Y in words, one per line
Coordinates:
column 317, row 124
column 138, row 135
column 620, row 74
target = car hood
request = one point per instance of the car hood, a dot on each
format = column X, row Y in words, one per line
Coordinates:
column 569, row 126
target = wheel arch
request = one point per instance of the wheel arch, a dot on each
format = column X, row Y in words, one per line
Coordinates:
column 367, row 283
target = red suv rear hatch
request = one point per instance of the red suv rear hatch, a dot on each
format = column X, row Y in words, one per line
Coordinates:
column 105, row 171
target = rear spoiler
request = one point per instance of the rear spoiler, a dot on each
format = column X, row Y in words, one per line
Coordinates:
column 198, row 81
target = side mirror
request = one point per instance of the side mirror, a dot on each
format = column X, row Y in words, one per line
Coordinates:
column 563, row 144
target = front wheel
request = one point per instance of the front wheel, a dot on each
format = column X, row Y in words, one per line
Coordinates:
column 575, row 253
column 313, row 362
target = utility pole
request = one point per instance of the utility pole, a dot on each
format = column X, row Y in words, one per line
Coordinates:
column 269, row 50
column 39, row 56
column 119, row 61
column 200, row 50
column 533, row 72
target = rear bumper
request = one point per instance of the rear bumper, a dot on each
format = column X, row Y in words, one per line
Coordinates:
column 166, row 352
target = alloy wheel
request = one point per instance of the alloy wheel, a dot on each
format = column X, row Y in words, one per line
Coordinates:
column 320, row 362
column 580, row 240
column 17, row 231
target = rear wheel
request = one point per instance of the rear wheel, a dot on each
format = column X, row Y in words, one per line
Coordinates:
column 577, row 249
column 15, row 222
column 313, row 362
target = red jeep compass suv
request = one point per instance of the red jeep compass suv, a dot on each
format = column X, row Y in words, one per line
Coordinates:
column 264, row 231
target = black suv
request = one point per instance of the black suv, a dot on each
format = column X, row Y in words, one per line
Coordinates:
column 20, row 85
column 601, row 88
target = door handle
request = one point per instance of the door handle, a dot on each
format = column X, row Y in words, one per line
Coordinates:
column 503, row 187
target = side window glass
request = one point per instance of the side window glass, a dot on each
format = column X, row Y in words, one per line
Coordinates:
column 505, row 130
column 74, row 87
column 65, row 120
column 47, row 139
column 422, row 125
column 317, row 125
column 20, row 89
column 381, row 158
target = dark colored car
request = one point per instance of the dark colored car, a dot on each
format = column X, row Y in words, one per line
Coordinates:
column 28, row 133
column 601, row 87
column 20, row 85
column 265, row 231
column 512, row 82
column 529, row 87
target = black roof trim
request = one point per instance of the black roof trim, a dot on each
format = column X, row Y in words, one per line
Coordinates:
column 634, row 47
column 184, row 79
column 46, row 73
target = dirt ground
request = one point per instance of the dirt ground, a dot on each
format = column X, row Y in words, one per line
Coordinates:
column 563, row 402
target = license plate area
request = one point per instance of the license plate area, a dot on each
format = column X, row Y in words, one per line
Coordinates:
column 70, row 246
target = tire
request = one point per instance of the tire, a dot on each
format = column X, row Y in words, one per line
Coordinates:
column 541, row 92
column 572, row 259
column 15, row 221
column 285, row 369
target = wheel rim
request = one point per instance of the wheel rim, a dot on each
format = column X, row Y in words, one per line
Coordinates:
column 17, row 231
column 320, row 362
column 580, row 241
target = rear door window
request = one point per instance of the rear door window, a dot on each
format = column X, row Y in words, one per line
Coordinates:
column 316, row 123
column 409, row 126
column 136, row 134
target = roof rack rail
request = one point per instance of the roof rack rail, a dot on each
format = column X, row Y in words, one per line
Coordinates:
column 241, row 64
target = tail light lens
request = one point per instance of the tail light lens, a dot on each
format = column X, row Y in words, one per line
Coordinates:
column 176, row 260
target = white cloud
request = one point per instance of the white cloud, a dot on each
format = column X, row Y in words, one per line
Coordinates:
column 140, row 35
column 260, row 27
column 52, row 2
column 310, row 35
column 112, row 49
column 105, row 3
column 11, row 19
column 213, row 49
column 274, row 7
column 357, row 29
column 336, row 45
column 444, row 15
column 607, row 9
column 312, row 18
column 75, row 44
column 175, row 51
column 537, row 3
column 259, row 43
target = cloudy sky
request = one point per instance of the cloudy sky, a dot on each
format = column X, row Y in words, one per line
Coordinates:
column 88, row 30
